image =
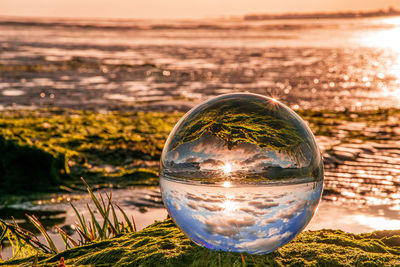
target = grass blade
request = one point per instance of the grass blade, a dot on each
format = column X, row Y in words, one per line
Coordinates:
column 81, row 221
column 64, row 238
column 134, row 224
column 98, row 205
column 243, row 261
column 63, row 233
column 102, row 200
column 26, row 236
column 116, row 223
column 95, row 223
column 40, row 227
column 84, row 236
column 3, row 232
column 106, row 222
column 126, row 217
column 115, row 218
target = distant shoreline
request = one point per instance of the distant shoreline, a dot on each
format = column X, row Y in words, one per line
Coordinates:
column 322, row 15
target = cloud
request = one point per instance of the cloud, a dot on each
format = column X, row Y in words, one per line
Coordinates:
column 175, row 194
column 255, row 158
column 273, row 231
column 174, row 155
column 176, row 205
column 239, row 198
column 253, row 211
column 242, row 222
column 192, row 205
column 212, row 163
column 207, row 144
column 225, row 226
column 210, row 207
column 287, row 213
column 194, row 197
column 291, row 211
column 263, row 205
column 203, row 198
column 267, row 221
column 267, row 157
column 192, row 159
column 264, row 244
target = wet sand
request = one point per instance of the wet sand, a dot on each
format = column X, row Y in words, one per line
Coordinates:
column 150, row 65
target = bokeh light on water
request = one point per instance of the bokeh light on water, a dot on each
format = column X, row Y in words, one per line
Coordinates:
column 241, row 172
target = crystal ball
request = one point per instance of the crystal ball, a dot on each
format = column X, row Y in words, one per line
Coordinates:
column 241, row 172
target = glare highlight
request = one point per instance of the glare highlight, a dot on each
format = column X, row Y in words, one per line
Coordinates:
column 227, row 168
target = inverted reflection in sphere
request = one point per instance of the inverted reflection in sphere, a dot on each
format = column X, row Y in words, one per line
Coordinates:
column 241, row 172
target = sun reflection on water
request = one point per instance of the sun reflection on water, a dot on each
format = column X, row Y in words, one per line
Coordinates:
column 378, row 223
column 388, row 38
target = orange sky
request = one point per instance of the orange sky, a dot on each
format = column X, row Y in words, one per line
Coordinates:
column 178, row 8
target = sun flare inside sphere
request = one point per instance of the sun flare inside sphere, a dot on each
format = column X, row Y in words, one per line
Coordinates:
column 241, row 172
column 227, row 168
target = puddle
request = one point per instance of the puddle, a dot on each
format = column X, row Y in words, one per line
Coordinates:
column 12, row 92
column 353, row 219
column 93, row 80
column 120, row 97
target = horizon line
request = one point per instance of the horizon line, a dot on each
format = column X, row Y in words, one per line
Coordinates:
column 265, row 16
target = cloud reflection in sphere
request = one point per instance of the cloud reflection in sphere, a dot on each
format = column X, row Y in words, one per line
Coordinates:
column 241, row 172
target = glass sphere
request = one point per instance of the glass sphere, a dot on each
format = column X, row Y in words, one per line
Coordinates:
column 241, row 172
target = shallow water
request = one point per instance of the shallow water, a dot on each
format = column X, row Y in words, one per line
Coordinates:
column 330, row 63
column 144, row 205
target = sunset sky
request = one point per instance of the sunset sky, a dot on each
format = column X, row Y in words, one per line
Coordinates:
column 178, row 8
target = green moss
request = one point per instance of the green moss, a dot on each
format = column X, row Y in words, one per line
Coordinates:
column 236, row 121
column 327, row 122
column 74, row 64
column 105, row 148
column 163, row 244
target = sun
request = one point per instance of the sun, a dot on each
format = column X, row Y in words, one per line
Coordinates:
column 227, row 184
column 227, row 168
column 229, row 205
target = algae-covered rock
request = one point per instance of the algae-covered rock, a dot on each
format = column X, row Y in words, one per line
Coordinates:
column 26, row 169
column 163, row 244
column 100, row 146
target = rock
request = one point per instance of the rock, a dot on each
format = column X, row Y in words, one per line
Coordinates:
column 28, row 169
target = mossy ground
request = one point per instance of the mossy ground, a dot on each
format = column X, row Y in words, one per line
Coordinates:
column 105, row 148
column 163, row 244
